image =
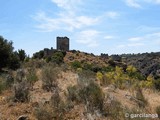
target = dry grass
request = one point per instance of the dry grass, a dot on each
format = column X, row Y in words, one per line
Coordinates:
column 38, row 96
column 83, row 57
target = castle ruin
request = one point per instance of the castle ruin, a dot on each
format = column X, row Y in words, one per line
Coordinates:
column 63, row 43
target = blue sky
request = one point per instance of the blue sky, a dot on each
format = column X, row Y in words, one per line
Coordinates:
column 93, row 26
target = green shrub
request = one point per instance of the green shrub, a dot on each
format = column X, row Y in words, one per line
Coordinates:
column 105, row 81
column 57, row 105
column 85, row 77
column 108, row 69
column 76, row 64
column 55, row 99
column 34, row 63
column 96, row 68
column 20, row 75
column 52, row 111
column 87, row 66
column 21, row 87
column 92, row 96
column 72, row 93
column 58, row 57
column 48, row 59
column 49, row 77
column 21, row 92
column 31, row 76
column 38, row 55
column 6, row 81
column 111, row 63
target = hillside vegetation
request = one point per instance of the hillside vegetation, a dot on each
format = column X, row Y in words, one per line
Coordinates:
column 75, row 85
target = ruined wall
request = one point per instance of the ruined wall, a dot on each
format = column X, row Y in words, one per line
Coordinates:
column 49, row 52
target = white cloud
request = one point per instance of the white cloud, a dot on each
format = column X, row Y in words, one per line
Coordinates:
column 121, row 46
column 153, row 1
column 139, row 3
column 61, row 3
column 130, row 45
column 135, row 39
column 156, row 34
column 154, row 37
column 84, row 20
column 46, row 24
column 148, row 39
column 148, row 29
column 112, row 14
column 108, row 37
column 67, row 19
column 88, row 37
column 145, row 40
column 133, row 3
column 157, row 1
column 68, row 23
column 135, row 44
column 68, row 5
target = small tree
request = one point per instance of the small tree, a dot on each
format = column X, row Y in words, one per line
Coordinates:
column 8, row 58
column 6, row 50
column 14, row 62
column 21, row 55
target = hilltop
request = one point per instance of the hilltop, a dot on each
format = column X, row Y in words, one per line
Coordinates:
column 146, row 63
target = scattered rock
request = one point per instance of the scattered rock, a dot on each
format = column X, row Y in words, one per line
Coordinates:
column 23, row 117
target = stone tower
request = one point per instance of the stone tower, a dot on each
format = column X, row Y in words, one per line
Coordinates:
column 63, row 43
